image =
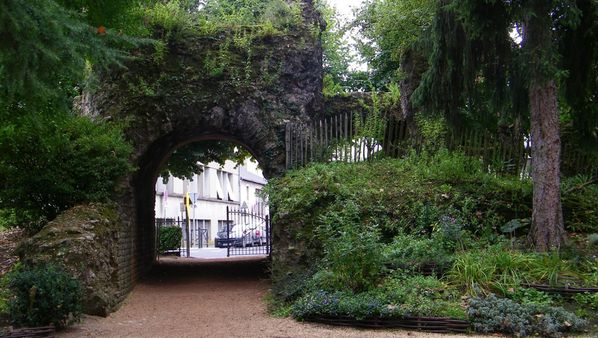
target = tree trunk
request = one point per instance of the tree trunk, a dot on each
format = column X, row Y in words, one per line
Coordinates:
column 547, row 231
column 412, row 66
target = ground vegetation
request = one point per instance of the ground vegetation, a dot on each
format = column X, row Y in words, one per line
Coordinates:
column 445, row 238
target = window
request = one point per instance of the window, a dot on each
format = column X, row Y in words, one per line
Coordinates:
column 222, row 225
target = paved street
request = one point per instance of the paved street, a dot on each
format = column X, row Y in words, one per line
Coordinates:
column 213, row 253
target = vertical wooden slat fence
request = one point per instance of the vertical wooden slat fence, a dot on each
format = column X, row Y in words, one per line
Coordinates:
column 341, row 138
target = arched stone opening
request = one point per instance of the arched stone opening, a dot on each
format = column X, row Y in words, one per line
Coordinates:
column 148, row 173
column 178, row 98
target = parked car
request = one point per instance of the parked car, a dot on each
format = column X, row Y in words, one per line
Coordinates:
column 241, row 235
column 222, row 239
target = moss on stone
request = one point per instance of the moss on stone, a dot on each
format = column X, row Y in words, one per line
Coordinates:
column 84, row 241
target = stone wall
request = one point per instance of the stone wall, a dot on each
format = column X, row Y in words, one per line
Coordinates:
column 194, row 91
column 87, row 241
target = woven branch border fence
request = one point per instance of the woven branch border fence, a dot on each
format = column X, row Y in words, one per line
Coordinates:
column 428, row 324
column 563, row 291
column 356, row 137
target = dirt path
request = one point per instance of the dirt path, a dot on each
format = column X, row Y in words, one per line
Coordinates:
column 201, row 299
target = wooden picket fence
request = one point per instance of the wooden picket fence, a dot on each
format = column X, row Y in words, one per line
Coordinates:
column 355, row 137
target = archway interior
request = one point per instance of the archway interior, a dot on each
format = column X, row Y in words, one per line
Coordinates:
column 195, row 186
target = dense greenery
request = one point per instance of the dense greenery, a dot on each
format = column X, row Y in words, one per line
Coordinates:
column 461, row 59
column 432, row 234
column 52, row 162
column 46, row 48
column 43, row 295
column 170, row 238
column 442, row 231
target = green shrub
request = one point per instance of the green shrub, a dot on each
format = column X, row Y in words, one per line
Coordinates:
column 7, row 219
column 4, row 296
column 352, row 252
column 579, row 204
column 552, row 268
column 413, row 252
column 170, row 238
column 43, row 295
column 492, row 314
column 530, row 296
column 422, row 296
column 587, row 299
column 334, row 304
column 352, row 223
column 399, row 296
column 51, row 163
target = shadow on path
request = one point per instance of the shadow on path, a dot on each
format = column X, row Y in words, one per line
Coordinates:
column 183, row 270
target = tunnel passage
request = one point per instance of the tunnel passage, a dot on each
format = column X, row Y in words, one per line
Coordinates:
column 179, row 98
column 153, row 163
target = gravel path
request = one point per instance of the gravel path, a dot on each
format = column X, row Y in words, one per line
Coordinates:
column 194, row 298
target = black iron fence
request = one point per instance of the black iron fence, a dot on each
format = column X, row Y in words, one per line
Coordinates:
column 198, row 232
column 247, row 233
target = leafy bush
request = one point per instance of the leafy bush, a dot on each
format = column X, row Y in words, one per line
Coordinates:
column 423, row 296
column 43, row 295
column 50, row 163
column 399, row 296
column 260, row 15
column 551, row 268
column 409, row 251
column 530, row 296
column 365, row 230
column 334, row 304
column 413, row 195
column 351, row 251
column 579, row 200
column 7, row 219
column 169, row 238
column 492, row 314
column 4, row 296
column 587, row 299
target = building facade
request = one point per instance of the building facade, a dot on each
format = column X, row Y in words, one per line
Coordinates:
column 211, row 192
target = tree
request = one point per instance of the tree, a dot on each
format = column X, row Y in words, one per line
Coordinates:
column 51, row 158
column 45, row 48
column 395, row 44
column 183, row 161
column 473, row 55
column 547, row 229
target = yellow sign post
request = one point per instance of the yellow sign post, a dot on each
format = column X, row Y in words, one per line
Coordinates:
column 187, row 205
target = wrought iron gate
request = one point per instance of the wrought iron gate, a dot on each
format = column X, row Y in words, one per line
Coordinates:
column 247, row 233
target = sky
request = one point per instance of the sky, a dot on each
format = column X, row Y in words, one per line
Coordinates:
column 345, row 6
column 345, row 9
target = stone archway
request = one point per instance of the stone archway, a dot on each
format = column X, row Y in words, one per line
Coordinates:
column 183, row 96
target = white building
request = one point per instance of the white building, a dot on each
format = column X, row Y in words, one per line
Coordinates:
column 211, row 192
